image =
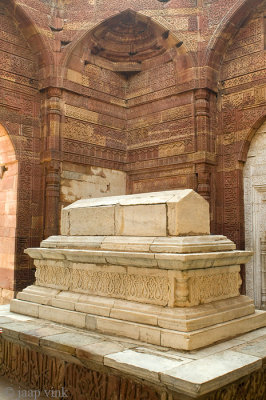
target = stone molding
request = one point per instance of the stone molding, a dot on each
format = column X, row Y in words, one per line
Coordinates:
column 139, row 324
column 166, row 261
column 180, row 245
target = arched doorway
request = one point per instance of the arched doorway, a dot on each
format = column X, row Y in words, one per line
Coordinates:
column 8, row 211
column 255, row 216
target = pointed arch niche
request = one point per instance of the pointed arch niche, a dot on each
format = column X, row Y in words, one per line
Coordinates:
column 255, row 216
column 8, row 211
column 134, row 80
column 126, row 45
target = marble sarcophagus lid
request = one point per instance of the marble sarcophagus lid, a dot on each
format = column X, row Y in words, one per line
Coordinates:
column 145, row 267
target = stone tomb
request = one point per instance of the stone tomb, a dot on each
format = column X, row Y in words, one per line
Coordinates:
column 144, row 267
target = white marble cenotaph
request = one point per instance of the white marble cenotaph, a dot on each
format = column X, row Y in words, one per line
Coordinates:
column 144, row 267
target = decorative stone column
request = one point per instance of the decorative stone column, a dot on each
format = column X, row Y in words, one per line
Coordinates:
column 263, row 271
column 202, row 115
column 52, row 195
column 205, row 145
column 51, row 160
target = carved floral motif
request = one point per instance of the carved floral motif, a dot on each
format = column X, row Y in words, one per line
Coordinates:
column 214, row 287
column 142, row 288
column 191, row 288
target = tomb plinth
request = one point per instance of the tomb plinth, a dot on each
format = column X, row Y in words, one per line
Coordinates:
column 144, row 267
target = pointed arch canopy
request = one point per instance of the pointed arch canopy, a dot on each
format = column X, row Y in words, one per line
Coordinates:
column 131, row 38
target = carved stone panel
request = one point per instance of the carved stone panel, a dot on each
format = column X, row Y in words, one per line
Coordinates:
column 255, row 212
column 144, row 285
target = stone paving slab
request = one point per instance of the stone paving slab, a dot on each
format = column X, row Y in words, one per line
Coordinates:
column 219, row 370
column 188, row 372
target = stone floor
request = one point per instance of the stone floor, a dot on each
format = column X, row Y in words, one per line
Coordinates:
column 10, row 390
column 179, row 370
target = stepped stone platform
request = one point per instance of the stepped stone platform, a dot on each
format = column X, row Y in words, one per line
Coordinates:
column 143, row 273
column 48, row 360
column 144, row 267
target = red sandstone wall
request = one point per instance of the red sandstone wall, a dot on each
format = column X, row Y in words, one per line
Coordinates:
column 242, row 89
column 19, row 114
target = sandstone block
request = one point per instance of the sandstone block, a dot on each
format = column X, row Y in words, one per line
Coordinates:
column 62, row 316
column 144, row 365
column 24, row 307
column 219, row 369
column 96, row 351
column 174, row 213
column 92, row 221
column 141, row 220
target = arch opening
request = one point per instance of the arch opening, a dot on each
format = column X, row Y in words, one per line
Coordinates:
column 254, row 175
column 8, row 215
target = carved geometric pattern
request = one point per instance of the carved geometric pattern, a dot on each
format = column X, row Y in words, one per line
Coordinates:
column 142, row 288
column 214, row 287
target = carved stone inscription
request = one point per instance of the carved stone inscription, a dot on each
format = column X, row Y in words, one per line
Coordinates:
column 35, row 370
column 39, row 371
column 255, row 214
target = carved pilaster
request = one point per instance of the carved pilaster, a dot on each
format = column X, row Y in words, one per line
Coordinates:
column 205, row 142
column 204, row 180
column 52, row 111
column 202, row 115
column 263, row 271
column 52, row 194
column 181, row 290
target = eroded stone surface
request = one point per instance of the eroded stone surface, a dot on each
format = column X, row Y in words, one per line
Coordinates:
column 179, row 372
column 174, row 213
column 154, row 272
column 219, row 370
